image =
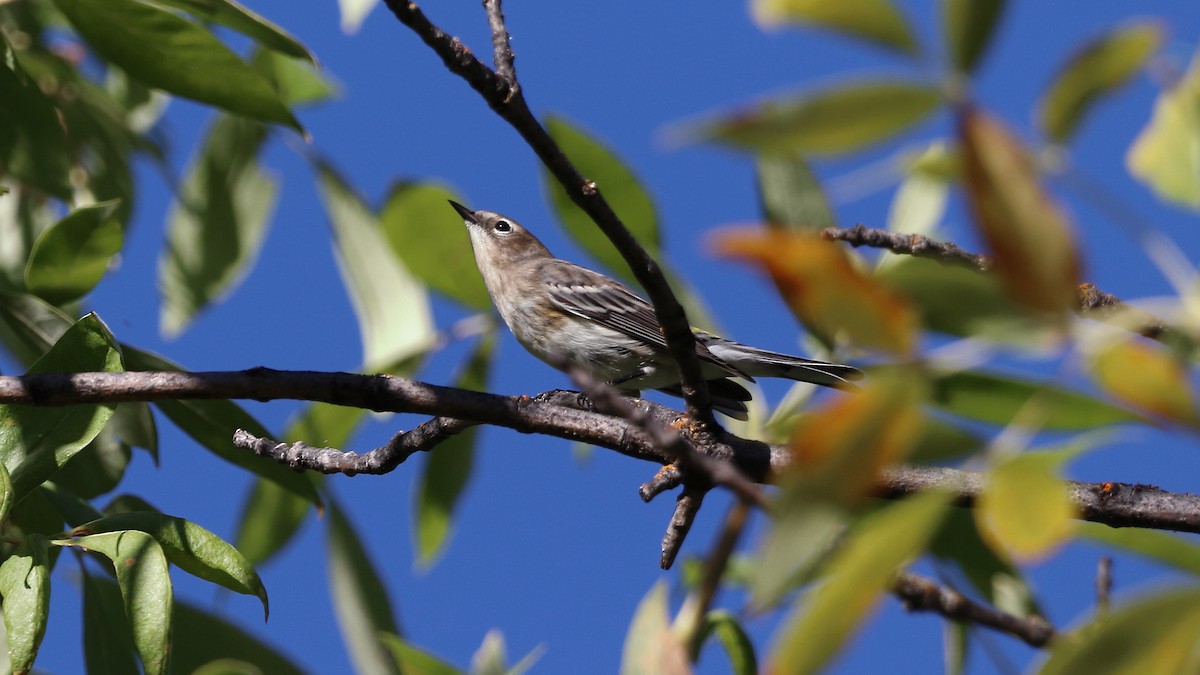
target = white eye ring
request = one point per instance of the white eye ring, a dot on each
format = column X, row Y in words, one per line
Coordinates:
column 503, row 226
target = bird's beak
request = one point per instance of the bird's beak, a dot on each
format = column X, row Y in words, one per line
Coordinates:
column 467, row 214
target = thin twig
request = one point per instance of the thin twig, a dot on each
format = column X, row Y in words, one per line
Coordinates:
column 714, row 569
column 921, row 594
column 502, row 53
column 508, row 101
column 1090, row 301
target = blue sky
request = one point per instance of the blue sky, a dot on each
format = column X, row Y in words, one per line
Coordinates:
column 547, row 549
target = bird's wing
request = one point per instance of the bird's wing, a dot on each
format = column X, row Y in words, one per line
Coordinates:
column 591, row 295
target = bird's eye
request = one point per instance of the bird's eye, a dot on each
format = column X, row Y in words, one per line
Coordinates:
column 503, row 226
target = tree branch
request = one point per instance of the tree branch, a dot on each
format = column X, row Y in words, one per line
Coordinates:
column 1090, row 302
column 506, row 98
column 921, row 594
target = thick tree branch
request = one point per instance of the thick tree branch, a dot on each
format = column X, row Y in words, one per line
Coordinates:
column 507, row 99
column 921, row 594
column 1091, row 302
column 557, row 414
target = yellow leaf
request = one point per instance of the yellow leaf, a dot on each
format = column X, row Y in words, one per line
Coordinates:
column 1025, row 509
column 1028, row 234
column 876, row 21
column 1166, row 154
column 825, row 290
column 651, row 647
column 1147, row 378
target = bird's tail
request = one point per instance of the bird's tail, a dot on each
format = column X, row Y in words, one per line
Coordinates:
column 762, row 363
column 727, row 396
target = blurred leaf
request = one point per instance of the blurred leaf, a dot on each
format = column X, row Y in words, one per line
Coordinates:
column 25, row 585
column 651, row 647
column 217, row 225
column 392, row 307
column 1166, row 154
column 36, row 441
column 354, row 12
column 734, row 640
column 825, row 290
column 412, row 660
column 1095, row 70
column 1163, row 547
column 491, row 658
column 212, row 423
column 166, row 51
column 791, row 194
column 190, row 547
column 1147, row 378
column 835, row 121
column 298, row 82
column 997, row 400
column 232, row 15
column 145, row 587
column 107, row 638
column 857, row 574
column 620, row 187
column 1157, row 633
column 994, row 577
column 956, row 646
column 918, row 206
column 968, row 26
column 359, row 597
column 1028, row 234
column 270, row 519
column 1025, row 509
column 805, row 531
column 33, row 144
column 941, row 441
column 839, row 451
column 430, row 239
column 448, row 467
column 876, row 21
column 959, row 301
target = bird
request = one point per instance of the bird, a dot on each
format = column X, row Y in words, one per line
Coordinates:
column 567, row 314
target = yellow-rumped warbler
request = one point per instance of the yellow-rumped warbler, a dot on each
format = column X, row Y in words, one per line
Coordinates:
column 559, row 310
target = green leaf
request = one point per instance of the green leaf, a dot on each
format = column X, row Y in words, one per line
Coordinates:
column 201, row 636
column 857, row 574
column 216, row 228
column 25, row 585
column 392, row 307
column 1096, row 69
column 171, row 53
column 835, row 121
column 734, row 640
column 74, row 509
column 968, row 26
column 360, row 599
column 805, row 531
column 270, row 519
column 232, row 15
column 941, row 441
column 298, row 82
column 411, row 659
column 448, row 467
column 1158, row 633
column 791, row 194
column 98, row 467
column 997, row 400
column 30, row 325
column 145, row 585
column 620, row 187
column 36, row 441
column 212, row 423
column 70, row 258
column 1163, row 547
column 919, row 204
column 430, row 239
column 33, row 145
column 876, row 21
column 6, row 493
column 190, row 547
column 1166, row 153
column 651, row 646
column 107, row 638
column 995, row 578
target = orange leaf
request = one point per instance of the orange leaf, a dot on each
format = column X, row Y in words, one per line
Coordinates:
column 825, row 290
column 1029, row 235
column 1147, row 378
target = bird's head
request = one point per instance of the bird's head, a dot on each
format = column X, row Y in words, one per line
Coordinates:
column 498, row 239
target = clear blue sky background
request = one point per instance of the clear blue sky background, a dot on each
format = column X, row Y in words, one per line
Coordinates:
column 546, row 549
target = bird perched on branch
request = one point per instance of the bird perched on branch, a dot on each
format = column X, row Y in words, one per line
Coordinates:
column 560, row 311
